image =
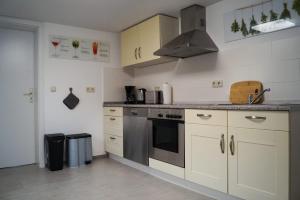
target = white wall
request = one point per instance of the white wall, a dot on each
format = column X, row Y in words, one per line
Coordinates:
column 62, row 73
column 273, row 59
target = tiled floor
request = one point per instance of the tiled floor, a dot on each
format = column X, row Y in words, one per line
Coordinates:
column 105, row 179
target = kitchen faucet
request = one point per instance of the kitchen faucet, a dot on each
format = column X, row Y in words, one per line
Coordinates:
column 252, row 101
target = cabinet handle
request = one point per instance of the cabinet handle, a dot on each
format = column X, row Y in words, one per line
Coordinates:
column 231, row 145
column 135, row 53
column 140, row 48
column 255, row 117
column 204, row 116
column 134, row 113
column 112, row 119
column 222, row 144
column 112, row 138
column 112, row 110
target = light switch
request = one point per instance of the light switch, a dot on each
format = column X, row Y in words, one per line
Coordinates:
column 53, row 89
column 90, row 90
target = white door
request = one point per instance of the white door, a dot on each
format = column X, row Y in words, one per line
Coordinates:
column 17, row 138
column 206, row 155
column 258, row 164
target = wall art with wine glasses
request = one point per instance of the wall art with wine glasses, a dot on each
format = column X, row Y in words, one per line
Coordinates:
column 264, row 17
column 78, row 49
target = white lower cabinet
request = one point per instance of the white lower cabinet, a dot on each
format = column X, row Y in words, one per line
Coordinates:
column 258, row 164
column 113, row 130
column 245, row 159
column 206, row 155
column 114, row 144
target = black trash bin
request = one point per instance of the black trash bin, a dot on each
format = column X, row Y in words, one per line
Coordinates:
column 54, row 151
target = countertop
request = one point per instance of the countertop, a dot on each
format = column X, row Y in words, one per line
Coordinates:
column 212, row 106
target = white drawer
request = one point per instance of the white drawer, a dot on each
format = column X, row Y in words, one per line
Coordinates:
column 114, row 144
column 267, row 120
column 113, row 111
column 206, row 117
column 113, row 125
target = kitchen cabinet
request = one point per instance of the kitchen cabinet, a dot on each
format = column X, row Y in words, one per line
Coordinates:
column 258, row 155
column 113, row 130
column 250, row 161
column 206, row 148
column 139, row 42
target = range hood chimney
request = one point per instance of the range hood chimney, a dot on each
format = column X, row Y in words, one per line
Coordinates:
column 194, row 39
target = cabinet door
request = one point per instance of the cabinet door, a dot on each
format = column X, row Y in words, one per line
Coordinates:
column 149, row 31
column 258, row 163
column 129, row 46
column 114, row 144
column 206, row 155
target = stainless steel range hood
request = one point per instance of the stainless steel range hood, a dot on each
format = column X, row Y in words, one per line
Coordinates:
column 194, row 39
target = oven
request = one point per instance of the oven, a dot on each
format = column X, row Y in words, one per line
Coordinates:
column 166, row 135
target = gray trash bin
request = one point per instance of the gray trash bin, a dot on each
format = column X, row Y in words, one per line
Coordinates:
column 79, row 149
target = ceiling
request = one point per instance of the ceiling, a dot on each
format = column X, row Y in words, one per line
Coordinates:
column 108, row 15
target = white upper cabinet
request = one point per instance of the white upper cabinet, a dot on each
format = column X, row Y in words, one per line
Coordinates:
column 139, row 42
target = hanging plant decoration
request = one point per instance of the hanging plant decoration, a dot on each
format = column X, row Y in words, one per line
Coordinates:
column 244, row 28
column 253, row 22
column 285, row 13
column 263, row 18
column 273, row 16
column 296, row 6
column 235, row 27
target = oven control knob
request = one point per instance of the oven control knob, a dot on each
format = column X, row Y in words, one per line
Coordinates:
column 160, row 115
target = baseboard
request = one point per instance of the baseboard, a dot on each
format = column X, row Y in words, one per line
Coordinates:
column 100, row 156
column 175, row 180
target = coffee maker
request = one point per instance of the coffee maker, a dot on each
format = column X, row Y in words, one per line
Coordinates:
column 130, row 95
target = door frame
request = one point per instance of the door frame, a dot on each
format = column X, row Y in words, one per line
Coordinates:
column 39, row 126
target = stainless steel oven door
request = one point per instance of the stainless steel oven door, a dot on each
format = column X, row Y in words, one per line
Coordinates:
column 166, row 141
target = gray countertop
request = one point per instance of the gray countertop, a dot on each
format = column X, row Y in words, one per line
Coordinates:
column 212, row 106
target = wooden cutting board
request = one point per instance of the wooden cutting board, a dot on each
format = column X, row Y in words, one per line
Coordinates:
column 239, row 91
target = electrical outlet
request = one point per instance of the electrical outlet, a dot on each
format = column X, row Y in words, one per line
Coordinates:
column 220, row 83
column 90, row 90
column 217, row 84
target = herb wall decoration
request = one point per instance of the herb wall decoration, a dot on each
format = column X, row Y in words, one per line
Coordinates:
column 244, row 28
column 285, row 13
column 235, row 27
column 239, row 23
column 253, row 22
column 263, row 18
column 273, row 15
column 296, row 6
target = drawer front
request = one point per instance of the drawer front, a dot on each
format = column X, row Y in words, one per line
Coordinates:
column 114, row 144
column 206, row 117
column 113, row 111
column 268, row 120
column 113, row 125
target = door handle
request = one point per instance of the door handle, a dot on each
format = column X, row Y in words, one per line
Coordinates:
column 28, row 94
column 134, row 113
column 222, row 144
column 204, row 116
column 232, row 146
column 112, row 119
column 255, row 117
column 135, row 53
column 140, row 48
column 112, row 110
column 112, row 138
